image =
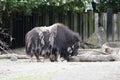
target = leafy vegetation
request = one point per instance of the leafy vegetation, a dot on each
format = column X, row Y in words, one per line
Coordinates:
column 104, row 5
column 26, row 6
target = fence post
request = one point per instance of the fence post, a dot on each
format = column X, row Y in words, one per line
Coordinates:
column 69, row 19
column 72, row 20
column 11, row 24
column 75, row 22
column 114, row 27
column 109, row 24
column 80, row 24
column 85, row 26
column 90, row 22
column 118, row 19
column 103, row 21
column 66, row 19
column 96, row 21
column 46, row 19
column 37, row 20
column 51, row 18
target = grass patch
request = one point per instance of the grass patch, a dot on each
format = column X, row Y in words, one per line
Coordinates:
column 27, row 77
column 42, row 76
column 4, row 59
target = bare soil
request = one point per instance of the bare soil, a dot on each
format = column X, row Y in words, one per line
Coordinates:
column 25, row 70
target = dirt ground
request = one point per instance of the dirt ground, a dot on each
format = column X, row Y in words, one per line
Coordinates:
column 25, row 70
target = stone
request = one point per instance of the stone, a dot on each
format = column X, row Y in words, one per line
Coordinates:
column 13, row 57
column 98, row 38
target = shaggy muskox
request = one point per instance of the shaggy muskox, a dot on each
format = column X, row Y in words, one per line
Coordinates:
column 56, row 41
column 5, row 39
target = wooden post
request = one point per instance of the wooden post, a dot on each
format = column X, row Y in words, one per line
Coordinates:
column 90, row 22
column 57, row 20
column 96, row 18
column 11, row 24
column 103, row 22
column 72, row 20
column 47, row 19
column 50, row 18
column 63, row 18
column 37, row 19
column 66, row 20
column 114, row 35
column 75, row 22
column 109, row 24
column 85, row 26
column 118, row 19
column 69, row 18
column 80, row 24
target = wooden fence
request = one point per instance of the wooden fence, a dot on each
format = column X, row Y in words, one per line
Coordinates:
column 84, row 23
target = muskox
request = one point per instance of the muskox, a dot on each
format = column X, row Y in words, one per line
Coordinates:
column 56, row 41
column 5, row 39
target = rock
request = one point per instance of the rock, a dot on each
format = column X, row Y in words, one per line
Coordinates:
column 13, row 57
column 98, row 38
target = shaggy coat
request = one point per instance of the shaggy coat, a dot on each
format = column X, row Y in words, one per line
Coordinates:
column 55, row 41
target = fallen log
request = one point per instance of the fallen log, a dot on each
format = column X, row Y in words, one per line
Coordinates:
column 91, row 56
column 110, row 47
column 9, row 56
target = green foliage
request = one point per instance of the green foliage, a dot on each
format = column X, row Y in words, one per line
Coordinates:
column 104, row 5
column 24, row 6
column 27, row 6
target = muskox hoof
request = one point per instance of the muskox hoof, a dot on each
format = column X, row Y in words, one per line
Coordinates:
column 52, row 60
column 39, row 61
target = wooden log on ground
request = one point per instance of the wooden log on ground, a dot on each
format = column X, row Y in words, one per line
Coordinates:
column 109, row 47
column 91, row 56
column 8, row 56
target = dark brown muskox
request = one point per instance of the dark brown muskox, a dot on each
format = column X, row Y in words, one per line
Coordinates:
column 56, row 40
column 5, row 39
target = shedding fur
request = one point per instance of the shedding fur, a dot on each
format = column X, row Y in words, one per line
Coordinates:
column 52, row 41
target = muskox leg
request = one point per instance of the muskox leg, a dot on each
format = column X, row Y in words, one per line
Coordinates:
column 37, row 57
column 59, row 58
column 31, row 56
column 55, row 55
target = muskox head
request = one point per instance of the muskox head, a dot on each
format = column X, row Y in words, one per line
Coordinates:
column 67, row 41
